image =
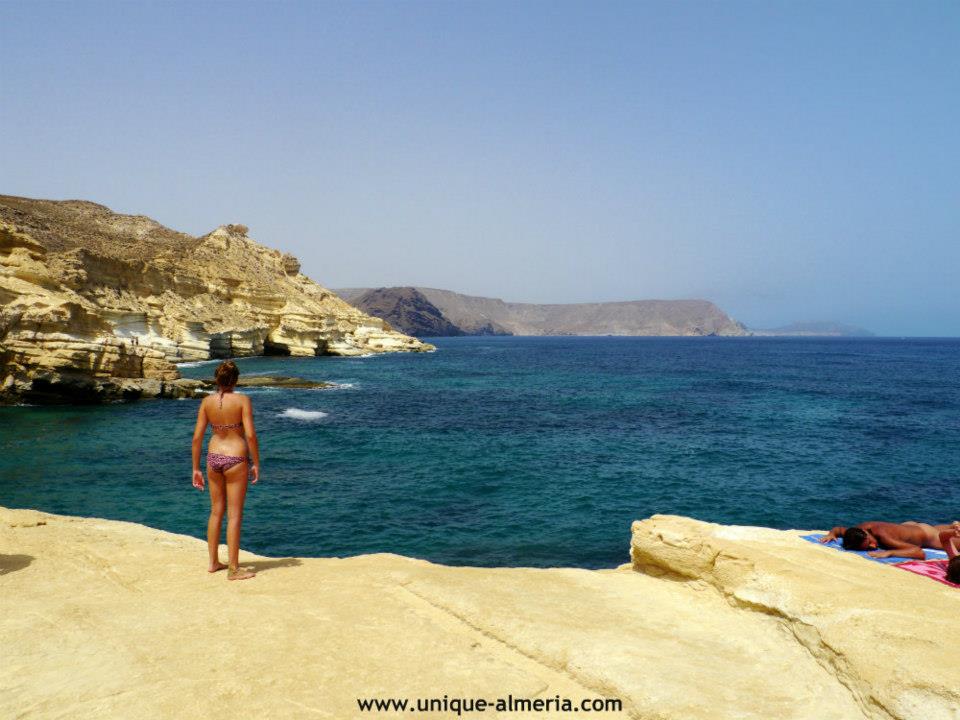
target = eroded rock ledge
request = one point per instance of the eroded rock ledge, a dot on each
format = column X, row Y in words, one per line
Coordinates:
column 90, row 296
column 890, row 637
column 114, row 620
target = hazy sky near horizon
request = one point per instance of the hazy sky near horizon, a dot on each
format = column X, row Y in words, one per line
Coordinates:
column 789, row 161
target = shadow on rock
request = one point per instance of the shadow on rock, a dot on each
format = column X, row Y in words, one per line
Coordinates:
column 12, row 563
column 260, row 566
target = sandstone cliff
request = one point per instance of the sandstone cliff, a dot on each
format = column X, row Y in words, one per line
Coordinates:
column 473, row 315
column 89, row 298
column 115, row 620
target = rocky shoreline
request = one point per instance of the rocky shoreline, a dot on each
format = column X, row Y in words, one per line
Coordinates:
column 99, row 305
column 78, row 389
column 707, row 621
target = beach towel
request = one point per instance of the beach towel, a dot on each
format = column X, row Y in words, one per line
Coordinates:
column 933, row 569
column 835, row 544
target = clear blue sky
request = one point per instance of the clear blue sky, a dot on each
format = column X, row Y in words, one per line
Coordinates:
column 788, row 160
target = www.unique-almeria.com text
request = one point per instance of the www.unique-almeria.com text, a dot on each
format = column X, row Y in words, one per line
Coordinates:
column 460, row 706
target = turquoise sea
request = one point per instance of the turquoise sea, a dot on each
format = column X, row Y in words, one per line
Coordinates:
column 530, row 451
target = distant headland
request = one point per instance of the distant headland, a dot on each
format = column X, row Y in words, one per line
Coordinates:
column 430, row 312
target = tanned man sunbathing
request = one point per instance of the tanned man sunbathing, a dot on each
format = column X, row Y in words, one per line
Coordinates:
column 885, row 539
column 950, row 539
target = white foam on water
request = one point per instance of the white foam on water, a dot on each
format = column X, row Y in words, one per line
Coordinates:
column 306, row 415
column 341, row 386
column 197, row 363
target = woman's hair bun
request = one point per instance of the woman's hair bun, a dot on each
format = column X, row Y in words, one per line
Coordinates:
column 226, row 373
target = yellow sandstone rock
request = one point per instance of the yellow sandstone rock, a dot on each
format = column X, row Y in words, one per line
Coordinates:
column 105, row 619
column 88, row 295
column 891, row 637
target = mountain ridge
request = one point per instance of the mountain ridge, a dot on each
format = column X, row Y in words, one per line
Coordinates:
column 478, row 315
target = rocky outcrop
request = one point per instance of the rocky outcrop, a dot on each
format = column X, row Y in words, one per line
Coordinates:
column 472, row 315
column 89, row 296
column 408, row 310
column 715, row 623
column 275, row 381
column 890, row 637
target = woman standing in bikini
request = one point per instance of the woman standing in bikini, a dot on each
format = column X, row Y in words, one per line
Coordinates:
column 230, row 415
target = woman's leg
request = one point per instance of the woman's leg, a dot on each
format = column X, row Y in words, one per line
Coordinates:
column 236, row 478
column 218, row 505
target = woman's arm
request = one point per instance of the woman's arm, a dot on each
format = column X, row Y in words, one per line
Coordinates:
column 251, row 432
column 198, row 432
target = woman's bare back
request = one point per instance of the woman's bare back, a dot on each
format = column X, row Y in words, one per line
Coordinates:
column 224, row 411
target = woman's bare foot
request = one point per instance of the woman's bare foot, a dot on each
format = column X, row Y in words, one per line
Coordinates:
column 215, row 568
column 239, row 573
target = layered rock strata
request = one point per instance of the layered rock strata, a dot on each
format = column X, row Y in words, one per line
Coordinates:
column 88, row 296
column 115, row 620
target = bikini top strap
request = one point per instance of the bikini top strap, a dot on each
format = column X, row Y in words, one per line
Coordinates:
column 227, row 425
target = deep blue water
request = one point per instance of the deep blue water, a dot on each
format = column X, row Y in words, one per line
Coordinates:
column 531, row 451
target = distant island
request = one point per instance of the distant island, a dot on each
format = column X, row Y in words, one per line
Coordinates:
column 429, row 312
column 819, row 328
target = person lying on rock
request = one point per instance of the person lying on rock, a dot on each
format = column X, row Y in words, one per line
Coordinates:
column 906, row 539
column 950, row 539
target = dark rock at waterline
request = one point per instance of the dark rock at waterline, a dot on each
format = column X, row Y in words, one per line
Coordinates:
column 55, row 388
column 67, row 388
column 274, row 381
